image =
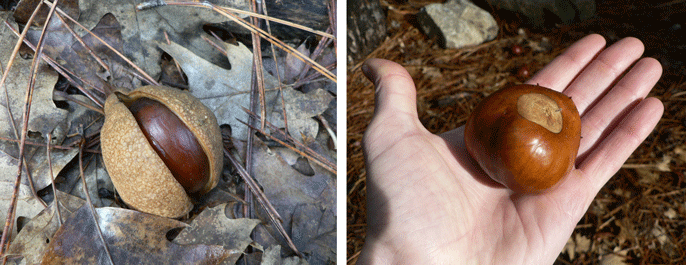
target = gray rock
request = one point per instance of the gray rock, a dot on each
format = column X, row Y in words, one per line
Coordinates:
column 457, row 23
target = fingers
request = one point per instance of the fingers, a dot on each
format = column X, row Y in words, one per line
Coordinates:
column 559, row 73
column 603, row 71
column 609, row 155
column 607, row 112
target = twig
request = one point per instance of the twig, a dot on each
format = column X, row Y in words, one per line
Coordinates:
column 312, row 154
column 278, row 73
column 219, row 48
column 333, row 22
column 333, row 170
column 55, row 201
column 5, row 74
column 258, row 68
column 328, row 129
column 43, row 145
column 84, row 104
column 90, row 203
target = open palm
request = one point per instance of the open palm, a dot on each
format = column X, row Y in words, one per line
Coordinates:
column 428, row 202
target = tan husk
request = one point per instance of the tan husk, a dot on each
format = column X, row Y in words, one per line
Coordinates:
column 139, row 174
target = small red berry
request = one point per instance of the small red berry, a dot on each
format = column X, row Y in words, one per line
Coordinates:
column 516, row 49
column 524, row 72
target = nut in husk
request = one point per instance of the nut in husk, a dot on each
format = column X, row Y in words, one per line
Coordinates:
column 161, row 146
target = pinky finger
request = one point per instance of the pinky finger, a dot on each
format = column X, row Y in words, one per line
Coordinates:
column 603, row 162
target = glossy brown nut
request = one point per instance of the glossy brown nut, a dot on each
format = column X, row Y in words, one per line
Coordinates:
column 141, row 173
column 173, row 142
column 525, row 137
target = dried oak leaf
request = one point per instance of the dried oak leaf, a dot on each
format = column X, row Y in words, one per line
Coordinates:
column 34, row 238
column 61, row 45
column 142, row 28
column 132, row 238
column 213, row 227
column 301, row 108
column 272, row 256
column 226, row 92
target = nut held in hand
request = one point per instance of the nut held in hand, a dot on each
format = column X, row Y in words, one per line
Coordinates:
column 525, row 137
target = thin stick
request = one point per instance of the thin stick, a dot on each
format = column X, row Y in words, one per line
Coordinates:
column 296, row 142
column 247, row 209
column 10, row 63
column 333, row 22
column 84, row 104
column 55, row 201
column 80, row 40
column 90, row 203
column 333, row 170
column 220, row 49
column 258, row 68
column 278, row 73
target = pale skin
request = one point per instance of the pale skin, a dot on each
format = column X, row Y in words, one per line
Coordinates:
column 428, row 202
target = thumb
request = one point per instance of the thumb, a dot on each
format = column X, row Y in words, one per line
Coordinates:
column 395, row 96
column 395, row 113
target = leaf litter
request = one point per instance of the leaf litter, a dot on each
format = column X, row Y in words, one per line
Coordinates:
column 215, row 231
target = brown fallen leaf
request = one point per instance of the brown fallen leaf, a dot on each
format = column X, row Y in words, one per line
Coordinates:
column 34, row 238
column 213, row 227
column 132, row 238
column 61, row 44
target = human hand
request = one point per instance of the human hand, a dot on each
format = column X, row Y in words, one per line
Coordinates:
column 428, row 202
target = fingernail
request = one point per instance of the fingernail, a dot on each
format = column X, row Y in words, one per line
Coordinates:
column 367, row 72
